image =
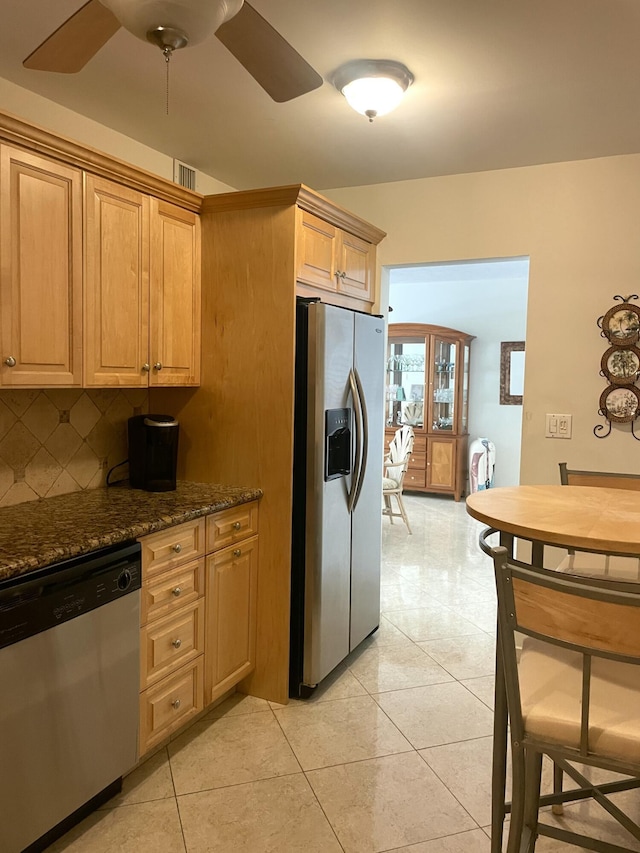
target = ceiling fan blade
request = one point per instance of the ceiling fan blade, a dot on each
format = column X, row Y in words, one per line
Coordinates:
column 267, row 56
column 75, row 42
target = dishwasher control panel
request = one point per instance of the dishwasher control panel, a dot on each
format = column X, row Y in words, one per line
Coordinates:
column 39, row 600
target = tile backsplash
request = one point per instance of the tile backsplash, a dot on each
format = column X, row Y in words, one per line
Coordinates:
column 63, row 440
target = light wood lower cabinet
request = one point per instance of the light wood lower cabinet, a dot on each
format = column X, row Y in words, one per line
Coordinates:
column 232, row 582
column 198, row 617
column 170, row 704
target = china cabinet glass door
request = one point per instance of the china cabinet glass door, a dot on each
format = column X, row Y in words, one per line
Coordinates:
column 405, row 382
column 443, row 384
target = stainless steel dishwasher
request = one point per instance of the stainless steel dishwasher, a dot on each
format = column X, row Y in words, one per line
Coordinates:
column 69, row 681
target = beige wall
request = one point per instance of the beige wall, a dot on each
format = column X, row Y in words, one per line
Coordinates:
column 578, row 222
column 27, row 105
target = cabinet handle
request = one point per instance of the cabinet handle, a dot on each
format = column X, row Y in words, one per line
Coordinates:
column 176, row 704
column 176, row 643
column 146, row 367
column 236, row 525
column 237, row 552
column 177, row 547
column 10, row 361
column 177, row 591
column 157, row 365
column 343, row 274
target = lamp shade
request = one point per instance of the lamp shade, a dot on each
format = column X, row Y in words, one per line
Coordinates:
column 197, row 19
column 373, row 87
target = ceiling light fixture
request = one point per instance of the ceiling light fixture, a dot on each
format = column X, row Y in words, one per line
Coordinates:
column 173, row 23
column 373, row 87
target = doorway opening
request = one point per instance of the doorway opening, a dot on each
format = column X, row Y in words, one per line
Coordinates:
column 487, row 299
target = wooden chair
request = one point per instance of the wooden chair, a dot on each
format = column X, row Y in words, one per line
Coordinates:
column 396, row 463
column 589, row 563
column 570, row 477
column 573, row 695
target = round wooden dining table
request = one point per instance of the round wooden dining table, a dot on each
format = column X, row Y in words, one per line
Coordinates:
column 585, row 518
column 588, row 518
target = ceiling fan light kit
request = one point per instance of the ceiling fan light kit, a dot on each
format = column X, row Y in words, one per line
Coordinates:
column 195, row 19
column 171, row 24
column 373, row 87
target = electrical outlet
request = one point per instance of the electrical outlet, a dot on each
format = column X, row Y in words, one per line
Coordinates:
column 558, row 426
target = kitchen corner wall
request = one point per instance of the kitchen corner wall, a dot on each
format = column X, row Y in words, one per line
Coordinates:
column 578, row 224
column 64, row 440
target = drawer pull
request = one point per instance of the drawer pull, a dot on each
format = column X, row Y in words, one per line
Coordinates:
column 177, row 547
column 176, row 704
column 237, row 552
column 176, row 643
column 10, row 361
column 177, row 591
column 236, row 525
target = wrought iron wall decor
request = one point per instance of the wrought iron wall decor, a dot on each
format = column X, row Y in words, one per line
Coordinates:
column 620, row 365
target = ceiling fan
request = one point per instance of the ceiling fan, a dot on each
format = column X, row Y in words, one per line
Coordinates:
column 172, row 24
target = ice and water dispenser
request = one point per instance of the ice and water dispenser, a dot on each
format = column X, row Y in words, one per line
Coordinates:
column 337, row 443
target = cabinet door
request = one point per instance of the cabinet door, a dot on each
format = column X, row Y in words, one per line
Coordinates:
column 355, row 266
column 174, row 296
column 316, row 251
column 231, row 586
column 405, row 381
column 441, row 463
column 41, row 271
column 116, row 285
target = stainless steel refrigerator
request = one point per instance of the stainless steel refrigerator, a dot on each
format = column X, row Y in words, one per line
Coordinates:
column 337, row 488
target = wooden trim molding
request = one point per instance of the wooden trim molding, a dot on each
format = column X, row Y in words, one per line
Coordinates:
column 31, row 137
column 295, row 194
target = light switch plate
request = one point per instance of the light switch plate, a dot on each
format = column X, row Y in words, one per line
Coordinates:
column 558, row 426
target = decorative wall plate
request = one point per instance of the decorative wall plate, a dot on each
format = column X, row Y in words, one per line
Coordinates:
column 621, row 324
column 620, row 404
column 621, row 365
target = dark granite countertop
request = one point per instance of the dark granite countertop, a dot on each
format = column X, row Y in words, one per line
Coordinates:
column 38, row 533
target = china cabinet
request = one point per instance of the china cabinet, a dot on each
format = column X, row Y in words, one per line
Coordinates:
column 427, row 387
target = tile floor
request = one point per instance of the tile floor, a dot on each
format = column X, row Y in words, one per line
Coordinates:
column 391, row 754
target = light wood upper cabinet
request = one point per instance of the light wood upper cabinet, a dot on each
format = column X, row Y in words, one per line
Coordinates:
column 40, row 271
column 356, row 267
column 333, row 259
column 116, row 285
column 316, row 251
column 142, row 289
column 175, row 314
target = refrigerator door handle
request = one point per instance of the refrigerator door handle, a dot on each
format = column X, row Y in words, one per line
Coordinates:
column 364, row 426
column 361, row 421
column 354, row 492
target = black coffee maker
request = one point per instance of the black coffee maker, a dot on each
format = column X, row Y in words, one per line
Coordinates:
column 153, row 452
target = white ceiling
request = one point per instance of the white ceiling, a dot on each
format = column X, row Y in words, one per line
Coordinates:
column 498, row 83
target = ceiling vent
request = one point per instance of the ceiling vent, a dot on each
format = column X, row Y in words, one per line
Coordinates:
column 184, row 175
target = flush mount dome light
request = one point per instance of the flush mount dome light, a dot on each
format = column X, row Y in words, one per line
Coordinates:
column 373, row 87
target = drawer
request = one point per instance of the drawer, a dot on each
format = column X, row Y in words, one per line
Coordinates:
column 231, row 525
column 171, row 703
column 419, row 443
column 171, row 642
column 172, row 547
column 418, row 461
column 415, row 477
column 163, row 593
